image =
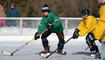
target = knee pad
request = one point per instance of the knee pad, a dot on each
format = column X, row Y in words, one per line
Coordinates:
column 62, row 41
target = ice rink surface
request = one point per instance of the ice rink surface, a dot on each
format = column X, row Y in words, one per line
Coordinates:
column 75, row 48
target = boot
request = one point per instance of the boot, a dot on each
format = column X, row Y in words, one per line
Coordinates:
column 93, row 53
column 61, row 52
column 98, row 55
column 46, row 50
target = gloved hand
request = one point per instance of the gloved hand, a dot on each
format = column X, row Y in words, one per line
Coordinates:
column 37, row 36
column 75, row 34
column 49, row 26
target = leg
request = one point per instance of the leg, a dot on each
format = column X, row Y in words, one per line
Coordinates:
column 61, row 41
column 103, row 51
column 10, row 23
column 17, row 23
column 0, row 22
column 4, row 22
column 44, row 40
column 93, row 46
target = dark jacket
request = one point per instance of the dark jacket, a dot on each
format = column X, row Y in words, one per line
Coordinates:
column 12, row 12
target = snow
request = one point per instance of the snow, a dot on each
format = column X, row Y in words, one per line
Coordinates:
column 75, row 48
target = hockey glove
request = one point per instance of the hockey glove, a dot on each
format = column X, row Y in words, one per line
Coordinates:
column 37, row 36
column 49, row 26
column 75, row 34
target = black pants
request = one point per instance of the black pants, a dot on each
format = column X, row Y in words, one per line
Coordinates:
column 60, row 36
column 92, row 45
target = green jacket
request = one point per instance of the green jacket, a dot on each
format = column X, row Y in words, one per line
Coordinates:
column 52, row 18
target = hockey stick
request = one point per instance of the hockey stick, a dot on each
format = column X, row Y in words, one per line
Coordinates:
column 57, row 48
column 88, row 48
column 11, row 54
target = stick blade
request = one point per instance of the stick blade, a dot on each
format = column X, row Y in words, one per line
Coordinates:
column 44, row 55
column 6, row 53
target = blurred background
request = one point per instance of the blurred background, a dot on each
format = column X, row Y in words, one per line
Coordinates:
column 22, row 17
column 64, row 8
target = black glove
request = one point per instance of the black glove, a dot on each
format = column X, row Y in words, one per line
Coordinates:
column 49, row 26
column 37, row 36
column 75, row 34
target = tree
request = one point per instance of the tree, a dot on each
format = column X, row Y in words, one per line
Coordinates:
column 64, row 8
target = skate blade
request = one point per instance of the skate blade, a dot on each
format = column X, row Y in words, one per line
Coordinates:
column 6, row 53
column 44, row 55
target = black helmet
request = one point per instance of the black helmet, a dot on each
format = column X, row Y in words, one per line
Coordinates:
column 45, row 8
column 85, row 12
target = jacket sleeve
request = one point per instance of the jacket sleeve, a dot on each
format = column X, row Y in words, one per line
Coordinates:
column 81, row 25
column 8, row 13
column 99, row 30
column 17, row 13
column 41, row 27
column 100, row 27
column 84, row 29
column 102, row 13
column 56, row 21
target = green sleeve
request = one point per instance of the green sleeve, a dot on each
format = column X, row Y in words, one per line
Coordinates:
column 41, row 27
column 56, row 21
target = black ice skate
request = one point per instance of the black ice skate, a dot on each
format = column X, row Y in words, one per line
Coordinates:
column 95, row 54
column 46, row 50
column 45, row 53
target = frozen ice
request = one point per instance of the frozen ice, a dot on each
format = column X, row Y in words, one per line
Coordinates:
column 75, row 48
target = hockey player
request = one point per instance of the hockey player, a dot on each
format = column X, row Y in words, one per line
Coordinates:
column 50, row 23
column 99, row 32
column 86, row 26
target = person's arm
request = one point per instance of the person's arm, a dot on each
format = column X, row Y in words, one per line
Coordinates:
column 77, row 30
column 8, row 13
column 88, row 25
column 100, row 27
column 17, row 13
column 41, row 27
column 56, row 21
column 81, row 27
column 4, row 15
